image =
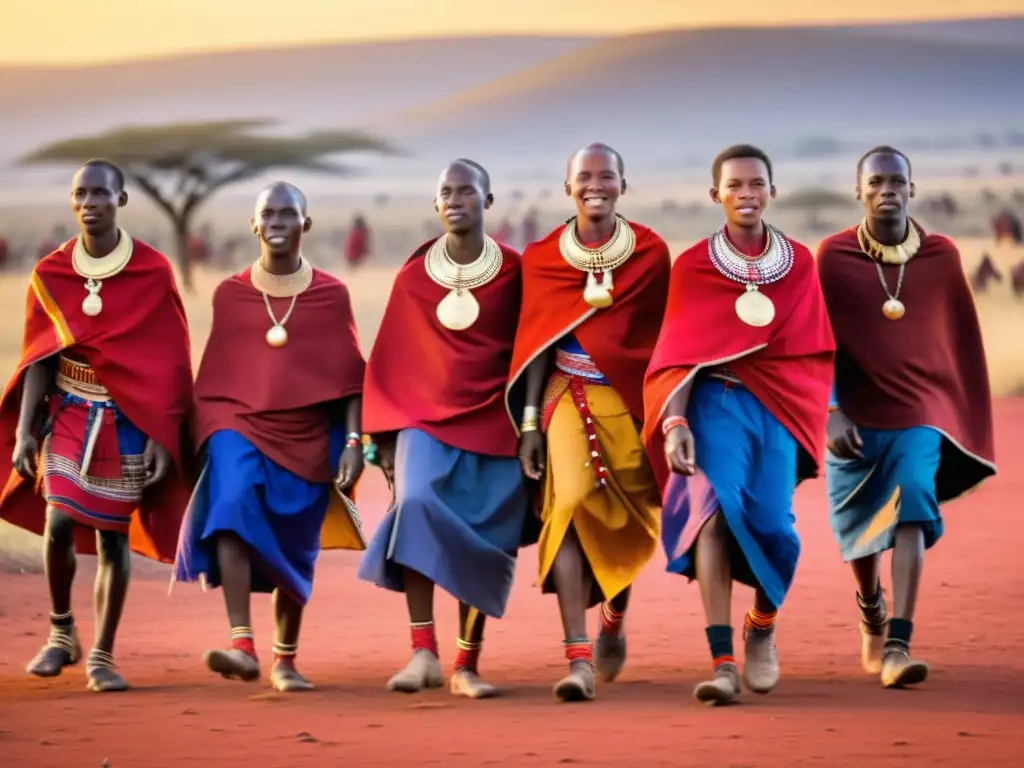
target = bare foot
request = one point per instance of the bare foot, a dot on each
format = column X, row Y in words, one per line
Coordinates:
column 723, row 689
column 233, row 664
column 102, row 673
column 610, row 655
column 579, row 684
column 422, row 671
column 761, row 665
column 61, row 650
column 286, row 679
column 469, row 684
column 899, row 670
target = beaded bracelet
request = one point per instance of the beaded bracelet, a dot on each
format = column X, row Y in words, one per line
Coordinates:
column 370, row 453
column 672, row 422
column 353, row 439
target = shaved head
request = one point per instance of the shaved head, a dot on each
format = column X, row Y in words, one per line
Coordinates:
column 286, row 187
column 595, row 147
column 473, row 165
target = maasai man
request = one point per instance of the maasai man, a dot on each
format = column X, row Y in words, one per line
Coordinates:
column 738, row 392
column 96, row 417
column 911, row 417
column 433, row 404
column 594, row 292
column 277, row 413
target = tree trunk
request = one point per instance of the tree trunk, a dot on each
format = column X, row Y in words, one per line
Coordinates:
column 184, row 253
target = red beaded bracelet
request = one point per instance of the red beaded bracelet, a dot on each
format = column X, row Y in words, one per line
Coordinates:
column 672, row 422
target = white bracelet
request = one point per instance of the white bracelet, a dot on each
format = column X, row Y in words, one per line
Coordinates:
column 531, row 413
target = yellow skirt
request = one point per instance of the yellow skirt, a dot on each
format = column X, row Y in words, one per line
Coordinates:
column 618, row 525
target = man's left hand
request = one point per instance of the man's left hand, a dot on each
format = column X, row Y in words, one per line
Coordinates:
column 157, row 462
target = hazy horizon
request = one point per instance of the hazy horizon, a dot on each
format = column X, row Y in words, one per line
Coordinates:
column 58, row 34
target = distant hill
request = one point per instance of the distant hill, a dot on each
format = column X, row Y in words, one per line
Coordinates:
column 314, row 86
column 520, row 104
column 670, row 97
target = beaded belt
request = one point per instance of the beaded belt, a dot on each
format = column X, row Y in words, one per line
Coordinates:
column 580, row 366
column 79, row 379
column 560, row 383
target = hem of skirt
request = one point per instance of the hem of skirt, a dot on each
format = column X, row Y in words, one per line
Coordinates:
column 448, row 587
column 87, row 518
column 933, row 532
column 256, row 563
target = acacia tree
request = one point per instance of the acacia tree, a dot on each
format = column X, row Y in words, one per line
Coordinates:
column 181, row 165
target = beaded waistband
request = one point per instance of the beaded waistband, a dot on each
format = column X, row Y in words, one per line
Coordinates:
column 577, row 365
column 80, row 379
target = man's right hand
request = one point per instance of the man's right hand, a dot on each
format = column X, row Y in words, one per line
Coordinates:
column 532, row 454
column 680, row 452
column 386, row 460
column 843, row 438
column 26, row 456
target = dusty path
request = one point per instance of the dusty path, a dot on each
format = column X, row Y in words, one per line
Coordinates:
column 824, row 713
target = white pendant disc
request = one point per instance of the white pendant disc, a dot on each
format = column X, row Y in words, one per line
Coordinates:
column 597, row 293
column 893, row 309
column 277, row 336
column 92, row 305
column 754, row 308
column 458, row 311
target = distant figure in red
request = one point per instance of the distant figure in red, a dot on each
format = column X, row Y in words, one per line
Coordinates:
column 984, row 274
column 57, row 238
column 1017, row 279
column 5, row 252
column 357, row 243
column 505, row 232
column 530, row 227
column 199, row 246
column 1006, row 226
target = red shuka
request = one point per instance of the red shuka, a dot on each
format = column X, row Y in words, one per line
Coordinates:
column 926, row 369
column 279, row 399
column 787, row 365
column 619, row 339
column 447, row 383
column 139, row 347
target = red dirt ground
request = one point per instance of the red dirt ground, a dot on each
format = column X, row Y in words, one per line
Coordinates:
column 825, row 712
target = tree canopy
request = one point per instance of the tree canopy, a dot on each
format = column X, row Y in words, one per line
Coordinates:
column 179, row 166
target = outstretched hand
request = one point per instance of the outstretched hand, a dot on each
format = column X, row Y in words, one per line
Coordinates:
column 532, row 454
column 350, row 467
column 26, row 456
column 843, row 438
column 680, row 451
column 157, row 461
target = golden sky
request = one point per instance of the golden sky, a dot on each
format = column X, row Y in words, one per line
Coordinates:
column 70, row 31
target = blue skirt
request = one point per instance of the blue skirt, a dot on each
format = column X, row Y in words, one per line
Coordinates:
column 277, row 513
column 457, row 518
column 893, row 483
column 747, row 465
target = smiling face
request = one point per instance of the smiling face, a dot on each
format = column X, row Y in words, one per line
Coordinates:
column 744, row 190
column 884, row 186
column 95, row 198
column 595, row 182
column 462, row 198
column 280, row 219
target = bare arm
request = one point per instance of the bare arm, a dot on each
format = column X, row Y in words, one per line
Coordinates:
column 535, row 379
column 679, row 401
column 354, row 415
column 38, row 378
